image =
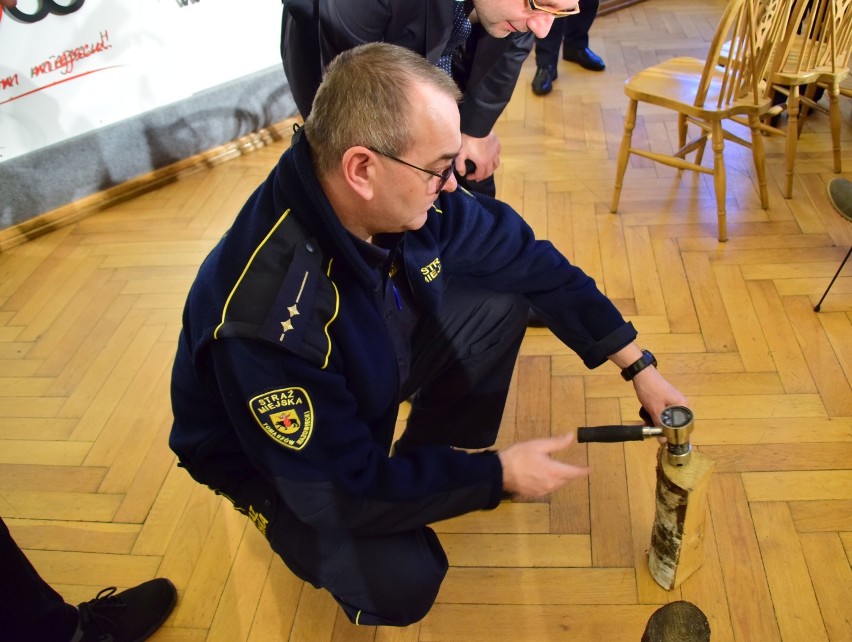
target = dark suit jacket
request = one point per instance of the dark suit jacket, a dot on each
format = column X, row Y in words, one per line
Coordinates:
column 490, row 71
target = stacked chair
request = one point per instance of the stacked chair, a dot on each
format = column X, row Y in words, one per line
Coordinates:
column 815, row 50
column 706, row 94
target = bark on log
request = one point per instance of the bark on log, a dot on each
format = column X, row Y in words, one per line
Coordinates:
column 677, row 539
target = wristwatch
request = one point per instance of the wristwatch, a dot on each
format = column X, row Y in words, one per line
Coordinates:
column 647, row 359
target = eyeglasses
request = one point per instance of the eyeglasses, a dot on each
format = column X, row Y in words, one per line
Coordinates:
column 559, row 13
column 443, row 176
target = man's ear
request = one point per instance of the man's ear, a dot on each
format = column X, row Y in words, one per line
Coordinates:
column 359, row 170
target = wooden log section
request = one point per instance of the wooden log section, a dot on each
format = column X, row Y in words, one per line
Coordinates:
column 677, row 622
column 677, row 539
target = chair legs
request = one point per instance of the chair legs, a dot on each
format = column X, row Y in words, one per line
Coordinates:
column 796, row 111
column 834, row 122
column 759, row 157
column 792, row 138
column 624, row 153
column 720, row 178
column 682, row 129
column 834, row 278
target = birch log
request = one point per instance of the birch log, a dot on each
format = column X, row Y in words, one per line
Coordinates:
column 677, row 539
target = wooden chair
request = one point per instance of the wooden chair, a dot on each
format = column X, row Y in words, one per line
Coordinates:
column 705, row 94
column 815, row 50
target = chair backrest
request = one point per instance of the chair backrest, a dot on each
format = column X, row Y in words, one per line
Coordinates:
column 818, row 37
column 747, row 32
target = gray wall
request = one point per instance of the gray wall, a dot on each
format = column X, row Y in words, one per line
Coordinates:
column 59, row 174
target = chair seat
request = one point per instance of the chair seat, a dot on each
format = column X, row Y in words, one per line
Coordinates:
column 792, row 70
column 674, row 84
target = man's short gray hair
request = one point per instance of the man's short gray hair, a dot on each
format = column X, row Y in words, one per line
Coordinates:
column 364, row 100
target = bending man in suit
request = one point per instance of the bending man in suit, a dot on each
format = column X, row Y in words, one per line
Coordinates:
column 482, row 43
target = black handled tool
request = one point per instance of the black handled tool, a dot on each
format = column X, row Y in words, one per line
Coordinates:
column 611, row 434
column 676, row 424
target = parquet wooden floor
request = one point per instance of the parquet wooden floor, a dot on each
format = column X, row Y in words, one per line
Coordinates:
column 89, row 316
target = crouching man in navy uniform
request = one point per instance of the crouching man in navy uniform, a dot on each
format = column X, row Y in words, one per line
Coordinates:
column 357, row 276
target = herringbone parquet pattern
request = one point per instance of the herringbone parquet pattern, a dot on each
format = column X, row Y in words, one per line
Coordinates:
column 89, row 316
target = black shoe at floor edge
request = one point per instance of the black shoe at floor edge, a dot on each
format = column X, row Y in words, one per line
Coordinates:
column 586, row 58
column 130, row 616
column 542, row 83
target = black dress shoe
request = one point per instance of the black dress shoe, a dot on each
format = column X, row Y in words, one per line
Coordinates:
column 586, row 58
column 543, row 81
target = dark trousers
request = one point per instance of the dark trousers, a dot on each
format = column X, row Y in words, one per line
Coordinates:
column 462, row 364
column 461, row 367
column 29, row 608
column 571, row 32
column 486, row 186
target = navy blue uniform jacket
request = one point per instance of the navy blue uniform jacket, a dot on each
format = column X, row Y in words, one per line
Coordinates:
column 285, row 367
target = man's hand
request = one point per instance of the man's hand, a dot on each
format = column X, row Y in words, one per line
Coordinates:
column 11, row 4
column 482, row 152
column 652, row 389
column 654, row 392
column 529, row 470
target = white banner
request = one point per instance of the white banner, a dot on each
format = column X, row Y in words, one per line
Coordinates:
column 70, row 66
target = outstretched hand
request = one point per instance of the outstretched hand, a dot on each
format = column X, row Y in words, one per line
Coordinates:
column 530, row 471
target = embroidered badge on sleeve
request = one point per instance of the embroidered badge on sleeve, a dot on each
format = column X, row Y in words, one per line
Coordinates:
column 430, row 272
column 286, row 415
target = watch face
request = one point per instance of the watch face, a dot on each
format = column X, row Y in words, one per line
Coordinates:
column 676, row 416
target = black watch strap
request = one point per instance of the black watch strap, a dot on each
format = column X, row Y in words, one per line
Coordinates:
column 647, row 359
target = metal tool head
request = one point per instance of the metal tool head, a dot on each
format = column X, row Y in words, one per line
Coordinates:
column 677, row 424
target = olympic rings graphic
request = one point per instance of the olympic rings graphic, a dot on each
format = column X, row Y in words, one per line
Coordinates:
column 45, row 7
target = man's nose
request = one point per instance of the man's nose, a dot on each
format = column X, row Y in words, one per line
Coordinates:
column 540, row 24
column 451, row 184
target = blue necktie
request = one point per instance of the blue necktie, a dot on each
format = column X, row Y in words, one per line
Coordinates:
column 459, row 33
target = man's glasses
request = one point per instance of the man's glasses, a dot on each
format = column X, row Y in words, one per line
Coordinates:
column 443, row 176
column 559, row 13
